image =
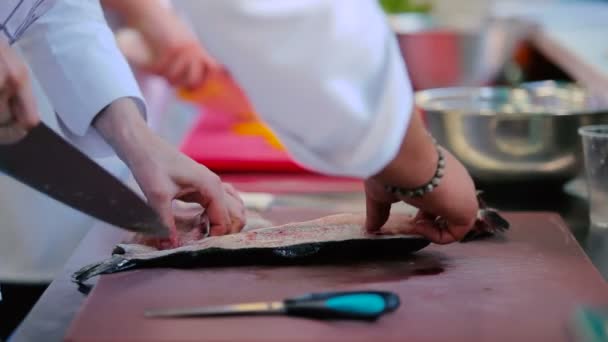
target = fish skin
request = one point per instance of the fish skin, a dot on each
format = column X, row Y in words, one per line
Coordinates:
column 217, row 251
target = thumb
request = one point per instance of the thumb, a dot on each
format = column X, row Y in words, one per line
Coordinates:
column 377, row 213
column 24, row 106
column 165, row 211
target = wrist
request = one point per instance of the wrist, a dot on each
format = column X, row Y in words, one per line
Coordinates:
column 417, row 161
column 123, row 127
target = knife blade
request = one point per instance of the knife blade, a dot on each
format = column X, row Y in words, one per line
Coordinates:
column 46, row 162
column 366, row 305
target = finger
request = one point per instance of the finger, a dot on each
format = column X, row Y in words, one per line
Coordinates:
column 177, row 70
column 232, row 191
column 236, row 202
column 210, row 194
column 459, row 231
column 211, row 63
column 214, row 211
column 430, row 231
column 219, row 217
column 195, row 74
column 23, row 107
column 162, row 205
column 401, row 227
column 377, row 214
column 6, row 116
column 6, row 92
column 11, row 133
column 160, row 63
column 237, row 214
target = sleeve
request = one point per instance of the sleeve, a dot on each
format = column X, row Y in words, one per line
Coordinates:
column 326, row 75
column 74, row 55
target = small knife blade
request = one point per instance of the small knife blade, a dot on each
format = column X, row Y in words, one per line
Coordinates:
column 262, row 308
column 46, row 162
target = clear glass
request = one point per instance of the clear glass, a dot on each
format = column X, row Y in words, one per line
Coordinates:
column 595, row 150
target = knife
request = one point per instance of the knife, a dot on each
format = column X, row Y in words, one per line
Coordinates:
column 46, row 162
column 356, row 305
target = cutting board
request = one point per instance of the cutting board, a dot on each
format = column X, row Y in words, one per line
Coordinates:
column 228, row 135
column 225, row 143
column 521, row 287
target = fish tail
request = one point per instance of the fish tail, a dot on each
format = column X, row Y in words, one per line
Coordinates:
column 115, row 264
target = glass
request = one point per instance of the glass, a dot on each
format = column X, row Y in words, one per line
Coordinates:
column 595, row 151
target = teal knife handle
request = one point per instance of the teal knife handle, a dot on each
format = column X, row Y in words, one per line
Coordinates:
column 365, row 305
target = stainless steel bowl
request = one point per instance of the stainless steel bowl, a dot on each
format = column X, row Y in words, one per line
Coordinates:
column 437, row 56
column 513, row 134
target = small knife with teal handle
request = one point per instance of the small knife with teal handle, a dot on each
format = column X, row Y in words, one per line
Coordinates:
column 361, row 305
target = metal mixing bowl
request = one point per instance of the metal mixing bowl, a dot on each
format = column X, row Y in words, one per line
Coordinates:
column 513, row 134
column 437, row 56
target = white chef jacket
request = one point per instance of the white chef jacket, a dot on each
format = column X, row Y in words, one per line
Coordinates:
column 73, row 53
column 78, row 71
column 326, row 75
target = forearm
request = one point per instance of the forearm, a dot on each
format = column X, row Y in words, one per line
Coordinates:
column 416, row 161
column 133, row 11
column 74, row 55
column 121, row 124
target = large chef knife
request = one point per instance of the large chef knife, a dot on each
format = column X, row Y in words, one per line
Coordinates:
column 46, row 162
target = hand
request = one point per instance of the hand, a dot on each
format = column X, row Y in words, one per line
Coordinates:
column 17, row 105
column 171, row 49
column 447, row 213
column 454, row 201
column 191, row 221
column 164, row 174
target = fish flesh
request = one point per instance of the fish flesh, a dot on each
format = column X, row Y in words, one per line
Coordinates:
column 335, row 237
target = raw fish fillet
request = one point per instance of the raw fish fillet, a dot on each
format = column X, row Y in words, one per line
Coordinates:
column 336, row 237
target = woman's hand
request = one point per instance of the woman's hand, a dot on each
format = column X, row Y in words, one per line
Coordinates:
column 164, row 174
column 173, row 50
column 454, row 200
column 18, row 112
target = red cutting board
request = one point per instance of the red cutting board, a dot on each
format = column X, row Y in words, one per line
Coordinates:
column 216, row 143
column 522, row 287
column 228, row 136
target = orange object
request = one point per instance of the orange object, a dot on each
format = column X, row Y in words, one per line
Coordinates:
column 225, row 143
column 257, row 128
column 221, row 93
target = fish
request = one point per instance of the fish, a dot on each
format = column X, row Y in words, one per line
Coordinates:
column 334, row 237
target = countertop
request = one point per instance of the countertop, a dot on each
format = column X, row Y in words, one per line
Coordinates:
column 533, row 276
column 56, row 308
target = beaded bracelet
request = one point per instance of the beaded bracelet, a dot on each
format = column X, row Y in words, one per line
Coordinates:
column 429, row 186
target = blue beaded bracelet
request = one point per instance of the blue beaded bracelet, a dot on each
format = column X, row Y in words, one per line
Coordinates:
column 426, row 188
